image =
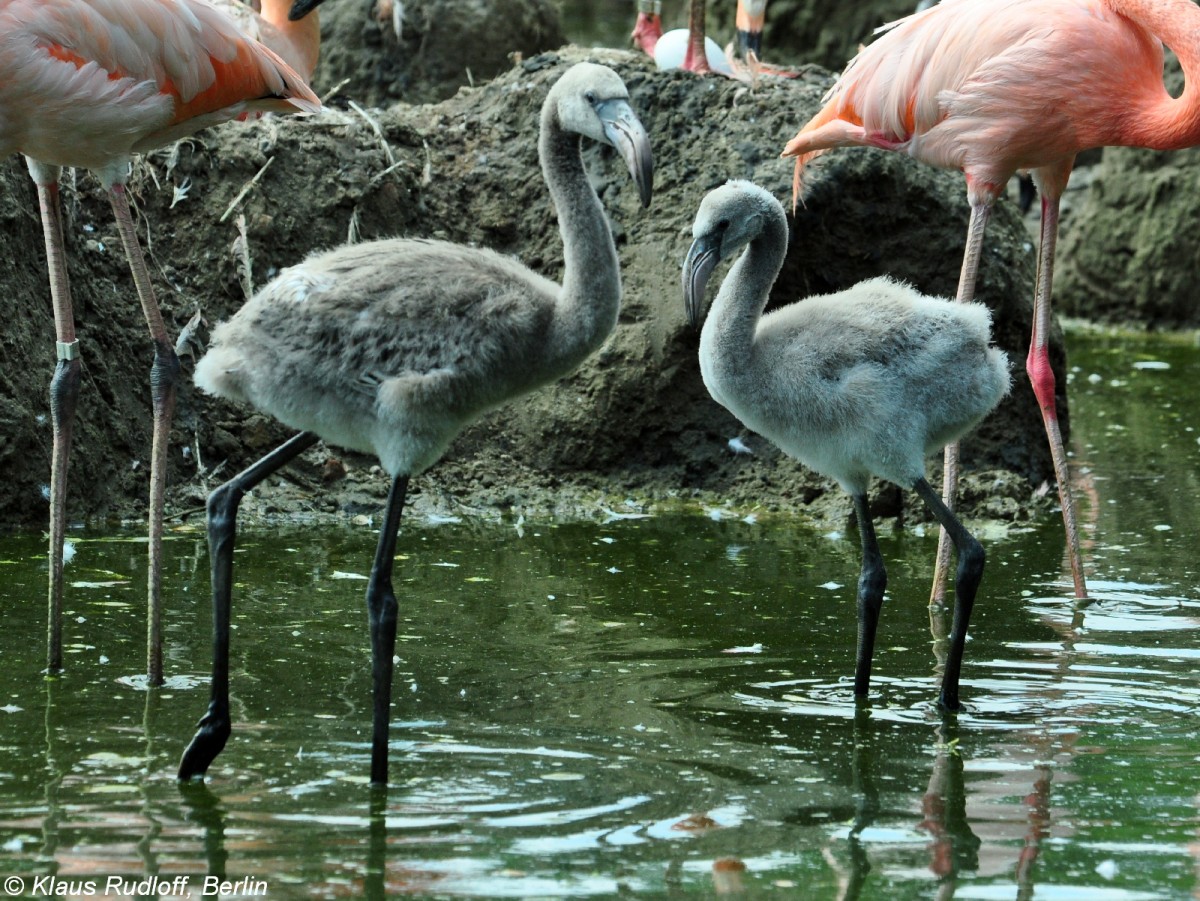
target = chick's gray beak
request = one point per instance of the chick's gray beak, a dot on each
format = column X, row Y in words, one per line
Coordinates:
column 702, row 258
column 302, row 8
column 626, row 133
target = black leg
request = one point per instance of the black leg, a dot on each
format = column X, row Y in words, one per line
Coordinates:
column 872, row 582
column 966, row 583
column 381, row 613
column 213, row 729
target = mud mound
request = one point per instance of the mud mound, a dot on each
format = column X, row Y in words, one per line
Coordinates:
column 442, row 46
column 635, row 419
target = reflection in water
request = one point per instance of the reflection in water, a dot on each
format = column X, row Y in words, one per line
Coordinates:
column 569, row 697
column 53, row 775
column 866, row 790
column 375, row 880
column 1038, row 803
column 954, row 848
column 204, row 809
column 147, row 845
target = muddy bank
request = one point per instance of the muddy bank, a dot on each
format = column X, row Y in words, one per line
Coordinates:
column 634, row 423
column 1130, row 255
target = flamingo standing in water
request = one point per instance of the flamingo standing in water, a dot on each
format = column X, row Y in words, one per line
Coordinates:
column 866, row 382
column 393, row 346
column 88, row 83
column 996, row 86
column 290, row 29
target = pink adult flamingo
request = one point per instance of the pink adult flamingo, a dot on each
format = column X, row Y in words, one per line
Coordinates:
column 88, row 83
column 996, row 86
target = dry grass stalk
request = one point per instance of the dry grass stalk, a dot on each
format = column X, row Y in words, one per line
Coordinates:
column 246, row 188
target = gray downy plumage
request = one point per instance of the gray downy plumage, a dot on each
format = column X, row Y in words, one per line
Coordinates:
column 865, row 382
column 391, row 347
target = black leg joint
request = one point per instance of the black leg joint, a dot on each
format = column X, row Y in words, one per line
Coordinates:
column 164, row 371
column 211, row 734
column 64, row 389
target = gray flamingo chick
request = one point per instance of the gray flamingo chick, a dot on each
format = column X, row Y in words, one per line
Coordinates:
column 865, row 382
column 392, row 347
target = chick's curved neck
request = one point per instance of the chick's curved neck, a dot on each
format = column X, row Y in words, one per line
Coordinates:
column 733, row 321
column 590, row 297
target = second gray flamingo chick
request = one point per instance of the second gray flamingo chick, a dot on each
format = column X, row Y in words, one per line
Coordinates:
column 866, row 382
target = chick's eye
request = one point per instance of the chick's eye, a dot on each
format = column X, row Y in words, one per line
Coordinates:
column 723, row 225
column 590, row 97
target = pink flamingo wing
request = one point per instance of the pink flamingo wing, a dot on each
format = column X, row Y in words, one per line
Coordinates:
column 990, row 86
column 90, row 81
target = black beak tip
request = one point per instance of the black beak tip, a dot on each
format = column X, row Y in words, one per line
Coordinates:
column 749, row 42
column 302, row 8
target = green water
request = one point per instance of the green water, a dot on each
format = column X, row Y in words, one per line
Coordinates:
column 571, row 719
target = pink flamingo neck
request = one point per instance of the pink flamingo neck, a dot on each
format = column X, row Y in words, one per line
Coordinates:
column 1167, row 123
column 304, row 36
